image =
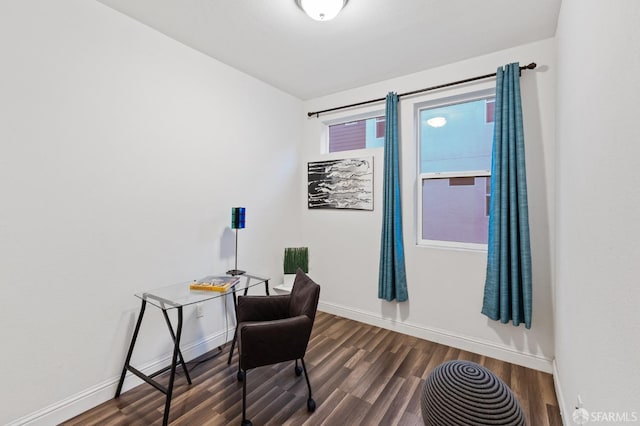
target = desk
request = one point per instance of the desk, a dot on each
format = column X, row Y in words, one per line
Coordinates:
column 177, row 296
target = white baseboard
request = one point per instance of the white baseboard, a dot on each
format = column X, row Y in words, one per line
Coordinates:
column 559, row 395
column 102, row 392
column 486, row 348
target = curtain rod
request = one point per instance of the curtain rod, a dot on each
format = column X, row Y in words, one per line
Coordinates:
column 531, row 66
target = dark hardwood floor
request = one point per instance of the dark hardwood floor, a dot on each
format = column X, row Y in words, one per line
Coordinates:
column 360, row 375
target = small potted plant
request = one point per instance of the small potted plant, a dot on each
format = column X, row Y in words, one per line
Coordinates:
column 294, row 258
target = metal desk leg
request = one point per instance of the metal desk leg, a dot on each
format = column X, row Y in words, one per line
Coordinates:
column 173, row 336
column 174, row 361
column 131, row 345
column 235, row 333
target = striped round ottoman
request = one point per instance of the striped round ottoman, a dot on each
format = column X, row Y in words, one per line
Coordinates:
column 465, row 393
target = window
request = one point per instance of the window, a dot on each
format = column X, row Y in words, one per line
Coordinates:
column 455, row 141
column 358, row 134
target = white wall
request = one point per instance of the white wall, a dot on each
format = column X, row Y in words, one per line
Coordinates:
column 121, row 155
column 445, row 286
column 598, row 200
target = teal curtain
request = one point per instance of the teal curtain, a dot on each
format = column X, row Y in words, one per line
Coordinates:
column 392, row 278
column 507, row 291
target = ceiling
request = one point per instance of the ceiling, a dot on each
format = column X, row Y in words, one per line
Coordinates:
column 369, row 41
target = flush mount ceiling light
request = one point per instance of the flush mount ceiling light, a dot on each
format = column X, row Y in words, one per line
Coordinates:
column 322, row 10
column 437, row 121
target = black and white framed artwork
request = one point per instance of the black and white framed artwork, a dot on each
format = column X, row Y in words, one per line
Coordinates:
column 341, row 184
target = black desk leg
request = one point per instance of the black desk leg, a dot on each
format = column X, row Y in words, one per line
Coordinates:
column 131, row 345
column 173, row 336
column 174, row 361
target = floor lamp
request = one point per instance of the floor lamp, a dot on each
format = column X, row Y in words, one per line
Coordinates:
column 237, row 222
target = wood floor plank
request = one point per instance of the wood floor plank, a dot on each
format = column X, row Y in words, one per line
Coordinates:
column 518, row 384
column 360, row 375
column 285, row 411
column 323, row 411
column 364, row 337
column 399, row 403
column 414, row 405
column 437, row 358
column 265, row 408
column 350, row 411
column 355, row 376
column 389, row 366
column 327, row 390
column 380, row 406
column 553, row 414
column 380, row 346
column 410, row 419
column 355, row 359
column 413, row 364
column 546, row 388
column 535, row 399
column 499, row 368
column 342, row 333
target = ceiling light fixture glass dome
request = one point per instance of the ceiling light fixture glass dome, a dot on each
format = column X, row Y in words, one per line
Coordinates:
column 437, row 121
column 322, row 10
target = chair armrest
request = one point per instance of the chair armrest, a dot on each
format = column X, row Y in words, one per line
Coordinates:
column 262, row 308
column 270, row 342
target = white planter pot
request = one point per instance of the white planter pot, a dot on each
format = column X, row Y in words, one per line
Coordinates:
column 288, row 280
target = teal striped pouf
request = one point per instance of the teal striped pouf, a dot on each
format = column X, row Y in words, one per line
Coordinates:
column 463, row 393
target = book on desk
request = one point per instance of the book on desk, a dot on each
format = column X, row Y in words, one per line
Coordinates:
column 214, row 283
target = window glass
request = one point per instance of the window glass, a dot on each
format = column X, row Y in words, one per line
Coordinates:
column 455, row 143
column 455, row 209
column 455, row 138
column 359, row 134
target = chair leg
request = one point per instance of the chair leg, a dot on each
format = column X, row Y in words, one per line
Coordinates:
column 297, row 369
column 245, row 421
column 311, row 404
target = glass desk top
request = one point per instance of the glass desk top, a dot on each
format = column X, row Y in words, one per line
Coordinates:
column 178, row 295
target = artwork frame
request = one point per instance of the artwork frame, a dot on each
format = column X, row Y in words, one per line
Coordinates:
column 340, row 184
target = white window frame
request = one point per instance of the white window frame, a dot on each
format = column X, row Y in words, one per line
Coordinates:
column 464, row 98
column 324, row 140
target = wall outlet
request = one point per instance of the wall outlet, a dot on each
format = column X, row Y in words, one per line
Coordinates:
column 580, row 416
column 199, row 312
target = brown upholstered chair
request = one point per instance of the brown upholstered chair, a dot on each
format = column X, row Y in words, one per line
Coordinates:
column 273, row 329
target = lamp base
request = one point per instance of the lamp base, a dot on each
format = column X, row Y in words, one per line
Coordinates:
column 234, row 272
